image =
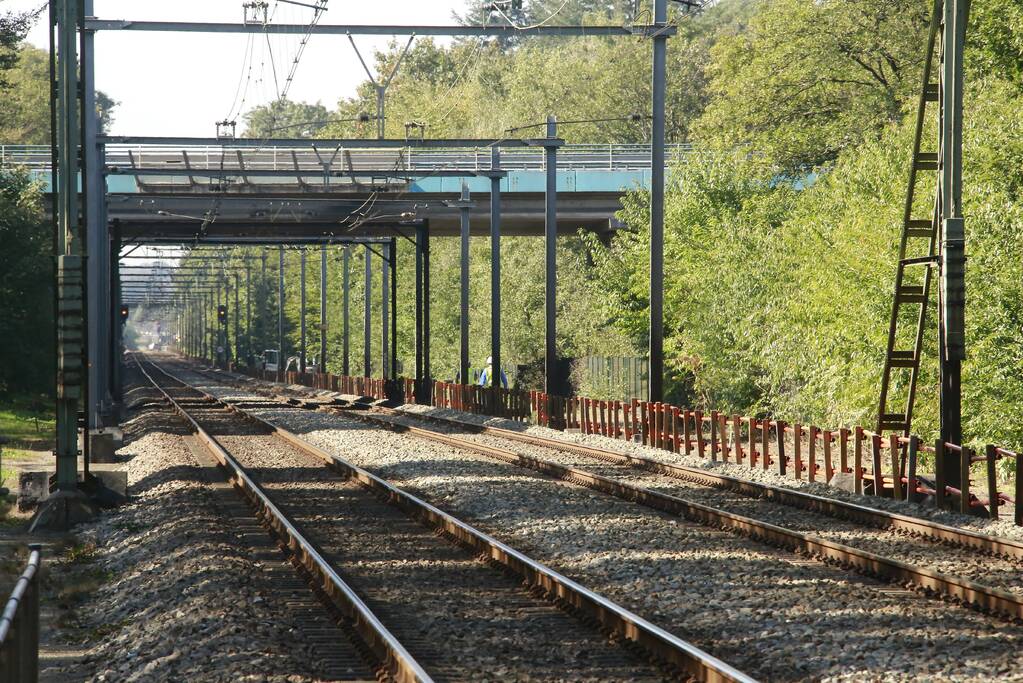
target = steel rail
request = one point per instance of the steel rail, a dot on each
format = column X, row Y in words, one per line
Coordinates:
column 969, row 593
column 997, row 546
column 664, row 645
column 377, row 637
column 882, row 519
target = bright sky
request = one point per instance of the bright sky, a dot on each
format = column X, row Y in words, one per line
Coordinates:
column 182, row 83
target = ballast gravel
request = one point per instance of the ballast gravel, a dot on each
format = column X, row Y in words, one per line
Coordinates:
column 167, row 591
column 460, row 618
column 992, row 571
column 769, row 613
column 1001, row 527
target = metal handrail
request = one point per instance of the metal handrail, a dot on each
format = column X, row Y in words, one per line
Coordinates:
column 19, row 625
column 312, row 159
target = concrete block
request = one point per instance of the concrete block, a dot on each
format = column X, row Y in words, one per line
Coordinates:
column 843, row 481
column 34, row 488
column 62, row 511
column 115, row 480
column 103, row 445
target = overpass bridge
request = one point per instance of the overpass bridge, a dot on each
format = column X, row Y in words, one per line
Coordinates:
column 159, row 192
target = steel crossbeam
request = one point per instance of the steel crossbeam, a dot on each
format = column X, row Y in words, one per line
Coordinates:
column 497, row 31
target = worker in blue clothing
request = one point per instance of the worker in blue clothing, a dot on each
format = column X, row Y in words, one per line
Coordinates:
column 485, row 375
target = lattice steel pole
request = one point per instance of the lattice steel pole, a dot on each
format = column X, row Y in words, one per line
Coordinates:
column 301, row 315
column 952, row 297
column 495, row 266
column 70, row 304
column 656, row 383
column 551, row 378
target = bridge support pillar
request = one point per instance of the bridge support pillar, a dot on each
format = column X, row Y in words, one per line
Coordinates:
column 114, row 317
column 464, row 206
column 393, row 255
column 237, row 320
column 282, row 355
column 423, row 373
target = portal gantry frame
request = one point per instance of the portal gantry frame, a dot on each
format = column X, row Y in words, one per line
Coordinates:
column 92, row 297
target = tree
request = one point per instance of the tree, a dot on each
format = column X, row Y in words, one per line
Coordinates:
column 805, row 80
column 25, row 106
column 26, row 288
column 477, row 88
column 284, row 118
column 13, row 27
column 995, row 40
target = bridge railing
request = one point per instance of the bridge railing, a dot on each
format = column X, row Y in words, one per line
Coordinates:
column 314, row 160
column 19, row 626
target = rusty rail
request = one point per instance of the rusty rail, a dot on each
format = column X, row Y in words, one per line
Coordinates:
column 667, row 647
column 19, row 625
column 882, row 519
column 396, row 659
column 882, row 465
column 969, row 593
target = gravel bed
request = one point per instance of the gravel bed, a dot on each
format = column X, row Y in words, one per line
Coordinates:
column 172, row 594
column 1002, row 527
column 770, row 614
column 997, row 572
column 460, row 618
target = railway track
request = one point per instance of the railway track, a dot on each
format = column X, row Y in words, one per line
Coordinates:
column 448, row 615
column 751, row 586
column 977, row 570
column 973, row 569
column 334, row 650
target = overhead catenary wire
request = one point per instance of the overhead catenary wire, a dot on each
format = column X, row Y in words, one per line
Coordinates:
column 512, row 23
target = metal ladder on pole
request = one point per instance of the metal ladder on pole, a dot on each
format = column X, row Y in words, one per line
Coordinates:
column 918, row 254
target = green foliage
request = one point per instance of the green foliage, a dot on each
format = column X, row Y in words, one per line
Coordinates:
column 480, row 88
column 805, row 80
column 285, row 119
column 25, row 109
column 26, row 288
column 13, row 27
column 25, row 419
column 25, row 105
column 720, row 221
column 995, row 40
column 777, row 299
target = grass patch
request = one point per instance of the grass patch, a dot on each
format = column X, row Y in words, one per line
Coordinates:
column 7, row 476
column 6, row 505
column 81, row 553
column 19, row 454
column 24, row 418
